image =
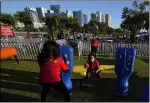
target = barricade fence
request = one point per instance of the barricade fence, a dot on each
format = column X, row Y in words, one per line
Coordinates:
column 29, row 49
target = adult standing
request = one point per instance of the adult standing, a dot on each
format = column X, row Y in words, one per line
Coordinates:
column 94, row 45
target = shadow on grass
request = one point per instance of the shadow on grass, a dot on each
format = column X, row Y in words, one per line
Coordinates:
column 23, row 86
column 146, row 60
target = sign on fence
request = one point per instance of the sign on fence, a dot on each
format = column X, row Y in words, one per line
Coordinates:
column 6, row 31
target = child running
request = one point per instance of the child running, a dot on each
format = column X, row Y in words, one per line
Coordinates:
column 50, row 70
column 92, row 66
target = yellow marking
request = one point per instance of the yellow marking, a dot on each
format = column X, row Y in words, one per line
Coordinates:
column 104, row 68
column 19, row 82
column 3, row 74
column 21, row 93
column 81, row 68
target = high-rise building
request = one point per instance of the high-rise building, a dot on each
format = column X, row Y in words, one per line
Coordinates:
column 32, row 13
column 108, row 19
column 63, row 14
column 85, row 19
column 75, row 14
column 99, row 17
column 69, row 13
column 50, row 13
column 93, row 16
column 41, row 13
column 102, row 18
column 55, row 8
column 79, row 16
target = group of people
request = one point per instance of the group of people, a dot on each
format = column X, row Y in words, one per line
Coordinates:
column 51, row 65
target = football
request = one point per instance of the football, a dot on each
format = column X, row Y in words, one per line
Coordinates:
column 86, row 65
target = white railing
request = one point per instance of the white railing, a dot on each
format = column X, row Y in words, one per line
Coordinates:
column 110, row 48
column 29, row 49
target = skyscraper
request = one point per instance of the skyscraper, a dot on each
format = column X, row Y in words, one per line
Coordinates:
column 79, row 16
column 85, row 19
column 93, row 16
column 63, row 14
column 103, row 18
column 55, row 8
column 99, row 16
column 66, row 14
column 49, row 13
column 32, row 13
column 108, row 19
column 69, row 13
column 75, row 14
column 41, row 13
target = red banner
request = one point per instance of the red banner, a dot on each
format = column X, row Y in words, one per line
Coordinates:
column 6, row 31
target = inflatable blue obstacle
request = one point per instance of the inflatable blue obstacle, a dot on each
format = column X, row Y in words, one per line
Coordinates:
column 125, row 58
column 145, row 94
column 67, row 52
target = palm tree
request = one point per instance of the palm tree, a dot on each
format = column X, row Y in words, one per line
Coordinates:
column 25, row 19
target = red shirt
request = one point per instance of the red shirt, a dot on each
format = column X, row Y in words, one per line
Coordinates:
column 50, row 71
column 95, row 42
column 93, row 65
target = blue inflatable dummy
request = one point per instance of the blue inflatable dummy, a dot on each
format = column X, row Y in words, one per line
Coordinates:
column 67, row 52
column 145, row 95
column 125, row 58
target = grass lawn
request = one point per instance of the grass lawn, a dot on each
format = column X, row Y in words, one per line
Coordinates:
column 19, row 82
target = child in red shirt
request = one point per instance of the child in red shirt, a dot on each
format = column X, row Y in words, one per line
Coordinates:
column 92, row 66
column 50, row 70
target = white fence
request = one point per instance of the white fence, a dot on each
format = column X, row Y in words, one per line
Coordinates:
column 110, row 48
column 29, row 49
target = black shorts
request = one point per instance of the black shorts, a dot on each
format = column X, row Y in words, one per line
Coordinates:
column 58, row 86
column 93, row 49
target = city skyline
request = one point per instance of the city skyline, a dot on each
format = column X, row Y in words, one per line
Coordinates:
column 37, row 14
column 116, row 20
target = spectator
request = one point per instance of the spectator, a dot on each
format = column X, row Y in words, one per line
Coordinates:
column 94, row 45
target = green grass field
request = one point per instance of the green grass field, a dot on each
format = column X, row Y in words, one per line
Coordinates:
column 19, row 82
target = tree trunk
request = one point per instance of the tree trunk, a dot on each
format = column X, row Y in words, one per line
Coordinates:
column 73, row 34
column 28, row 32
column 50, row 33
column 27, row 29
column 133, row 35
column 52, row 36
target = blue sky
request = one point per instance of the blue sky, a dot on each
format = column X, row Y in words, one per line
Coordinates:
column 111, row 7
